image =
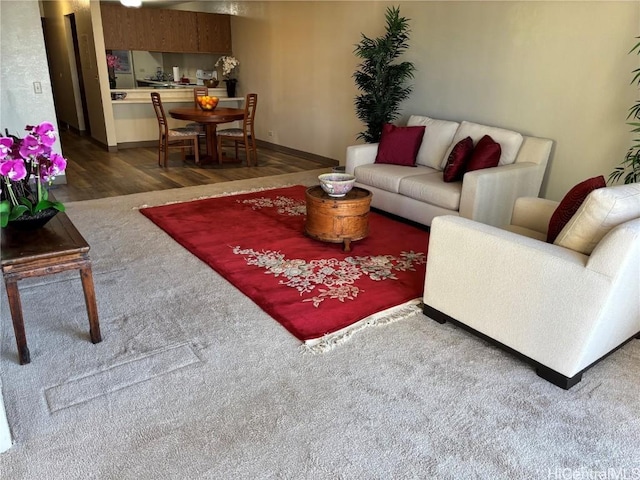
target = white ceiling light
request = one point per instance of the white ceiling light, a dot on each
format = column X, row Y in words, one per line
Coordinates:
column 131, row 3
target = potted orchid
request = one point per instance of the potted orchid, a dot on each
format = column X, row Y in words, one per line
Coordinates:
column 113, row 64
column 228, row 64
column 28, row 167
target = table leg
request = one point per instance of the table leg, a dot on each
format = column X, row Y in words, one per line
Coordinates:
column 18, row 322
column 212, row 142
column 90, row 300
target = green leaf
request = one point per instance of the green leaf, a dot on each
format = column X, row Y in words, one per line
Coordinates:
column 44, row 204
column 18, row 211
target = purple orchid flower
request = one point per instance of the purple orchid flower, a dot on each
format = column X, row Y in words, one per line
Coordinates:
column 14, row 170
column 5, row 146
column 56, row 165
column 31, row 146
column 46, row 132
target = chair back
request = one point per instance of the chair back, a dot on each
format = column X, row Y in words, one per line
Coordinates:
column 250, row 103
column 199, row 92
column 162, row 118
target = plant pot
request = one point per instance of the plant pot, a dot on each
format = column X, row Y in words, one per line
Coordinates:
column 33, row 222
column 231, row 87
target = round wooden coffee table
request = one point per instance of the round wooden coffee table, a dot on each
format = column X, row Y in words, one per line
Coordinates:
column 337, row 220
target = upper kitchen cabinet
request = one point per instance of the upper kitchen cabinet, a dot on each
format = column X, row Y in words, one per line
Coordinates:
column 118, row 25
column 161, row 30
column 214, row 33
column 180, row 30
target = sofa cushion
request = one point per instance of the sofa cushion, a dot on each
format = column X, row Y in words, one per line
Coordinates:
column 458, row 159
column 386, row 177
column 569, row 205
column 430, row 188
column 399, row 145
column 437, row 139
column 509, row 140
column 601, row 211
column 486, row 154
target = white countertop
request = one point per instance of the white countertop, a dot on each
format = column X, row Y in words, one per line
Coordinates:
column 169, row 95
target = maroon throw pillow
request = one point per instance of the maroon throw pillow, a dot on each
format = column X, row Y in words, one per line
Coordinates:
column 570, row 204
column 457, row 161
column 486, row 154
column 400, row 145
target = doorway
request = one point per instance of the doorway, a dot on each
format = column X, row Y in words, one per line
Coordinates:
column 77, row 80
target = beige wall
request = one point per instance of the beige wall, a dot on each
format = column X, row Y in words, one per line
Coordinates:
column 552, row 69
column 94, row 69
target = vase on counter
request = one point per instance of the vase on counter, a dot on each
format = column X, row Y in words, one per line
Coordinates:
column 112, row 82
column 231, row 86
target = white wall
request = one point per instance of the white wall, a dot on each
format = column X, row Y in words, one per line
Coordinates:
column 24, row 61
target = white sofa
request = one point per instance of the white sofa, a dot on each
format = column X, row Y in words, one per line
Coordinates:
column 561, row 306
column 420, row 194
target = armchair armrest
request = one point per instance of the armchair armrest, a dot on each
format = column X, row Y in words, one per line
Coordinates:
column 533, row 213
column 360, row 155
column 488, row 195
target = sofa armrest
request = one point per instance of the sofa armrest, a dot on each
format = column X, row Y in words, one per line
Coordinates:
column 533, row 213
column 360, row 155
column 488, row 195
column 535, row 297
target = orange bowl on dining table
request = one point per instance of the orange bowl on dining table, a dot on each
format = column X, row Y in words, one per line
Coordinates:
column 208, row 103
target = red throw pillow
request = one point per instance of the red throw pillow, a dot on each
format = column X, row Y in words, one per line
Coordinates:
column 570, row 204
column 486, row 154
column 457, row 161
column 400, row 145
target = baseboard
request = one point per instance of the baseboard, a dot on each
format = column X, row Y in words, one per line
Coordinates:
column 330, row 162
column 142, row 144
column 542, row 371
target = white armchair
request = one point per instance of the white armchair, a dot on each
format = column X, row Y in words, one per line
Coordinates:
column 560, row 309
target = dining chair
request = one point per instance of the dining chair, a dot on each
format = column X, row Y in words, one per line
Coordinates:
column 172, row 137
column 199, row 91
column 245, row 136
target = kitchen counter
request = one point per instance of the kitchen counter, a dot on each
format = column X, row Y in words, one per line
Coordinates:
column 135, row 120
column 169, row 95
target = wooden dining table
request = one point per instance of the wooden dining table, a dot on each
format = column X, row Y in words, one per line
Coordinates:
column 210, row 119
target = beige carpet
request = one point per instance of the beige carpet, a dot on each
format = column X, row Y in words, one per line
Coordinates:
column 194, row 381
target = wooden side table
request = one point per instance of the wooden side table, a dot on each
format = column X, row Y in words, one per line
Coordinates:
column 337, row 220
column 54, row 248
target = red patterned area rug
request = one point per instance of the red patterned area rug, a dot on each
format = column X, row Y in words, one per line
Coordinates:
column 319, row 293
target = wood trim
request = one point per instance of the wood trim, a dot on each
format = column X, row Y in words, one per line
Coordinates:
column 299, row 153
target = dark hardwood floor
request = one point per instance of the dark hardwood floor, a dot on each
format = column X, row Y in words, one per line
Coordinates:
column 92, row 172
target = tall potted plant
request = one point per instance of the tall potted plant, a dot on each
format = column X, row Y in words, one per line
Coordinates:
column 629, row 168
column 380, row 78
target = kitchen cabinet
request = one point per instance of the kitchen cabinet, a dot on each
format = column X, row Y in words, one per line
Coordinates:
column 146, row 35
column 214, row 33
column 118, row 26
column 162, row 30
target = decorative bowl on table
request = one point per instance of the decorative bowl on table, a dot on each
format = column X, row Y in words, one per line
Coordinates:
column 336, row 184
column 207, row 103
